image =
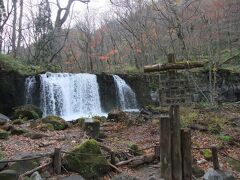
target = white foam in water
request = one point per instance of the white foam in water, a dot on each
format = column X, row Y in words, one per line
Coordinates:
column 70, row 95
column 126, row 96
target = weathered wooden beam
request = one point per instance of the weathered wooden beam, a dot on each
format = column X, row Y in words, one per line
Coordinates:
column 216, row 165
column 57, row 164
column 173, row 66
column 186, row 153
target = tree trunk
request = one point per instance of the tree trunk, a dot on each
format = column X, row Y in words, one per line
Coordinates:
column 14, row 36
column 20, row 28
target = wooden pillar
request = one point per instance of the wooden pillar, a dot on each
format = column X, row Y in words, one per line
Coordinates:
column 186, row 153
column 215, row 158
column 57, row 161
column 176, row 142
column 113, row 160
column 165, row 149
column 157, row 151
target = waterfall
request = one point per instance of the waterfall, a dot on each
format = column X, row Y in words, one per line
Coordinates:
column 70, row 95
column 30, row 83
column 126, row 96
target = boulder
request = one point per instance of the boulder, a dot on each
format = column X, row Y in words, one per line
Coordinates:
column 8, row 175
column 91, row 164
column 27, row 111
column 92, row 127
column 35, row 135
column 4, row 134
column 19, row 121
column 218, row 175
column 3, row 119
column 46, row 127
column 18, row 131
column 117, row 116
column 57, row 122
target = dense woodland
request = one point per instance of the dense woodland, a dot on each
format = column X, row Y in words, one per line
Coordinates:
column 131, row 34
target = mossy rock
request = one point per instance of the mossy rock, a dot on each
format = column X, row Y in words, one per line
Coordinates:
column 80, row 121
column 100, row 118
column 18, row 131
column 226, row 138
column 4, row 134
column 27, row 111
column 57, row 122
column 89, row 166
column 235, row 165
column 92, row 127
column 135, row 149
column 207, row 154
column 46, row 127
column 24, row 166
column 19, row 121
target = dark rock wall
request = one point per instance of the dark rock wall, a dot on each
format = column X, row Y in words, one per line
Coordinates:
column 11, row 91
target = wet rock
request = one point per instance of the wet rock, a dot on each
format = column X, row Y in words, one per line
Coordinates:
column 3, row 119
column 8, row 175
column 218, row 175
column 87, row 165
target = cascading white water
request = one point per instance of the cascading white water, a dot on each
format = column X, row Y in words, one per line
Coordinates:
column 30, row 83
column 126, row 96
column 70, row 95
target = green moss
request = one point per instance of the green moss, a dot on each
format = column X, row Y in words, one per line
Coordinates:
column 27, row 111
column 2, row 156
column 19, row 121
column 57, row 122
column 135, row 149
column 226, row 138
column 207, row 154
column 18, row 131
column 89, row 166
column 4, row 134
column 46, row 127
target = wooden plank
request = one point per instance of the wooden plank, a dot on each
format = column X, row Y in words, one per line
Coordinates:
column 165, row 149
column 186, row 153
column 176, row 142
column 57, row 164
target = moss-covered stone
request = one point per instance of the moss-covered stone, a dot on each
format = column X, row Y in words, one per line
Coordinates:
column 91, row 164
column 135, row 149
column 46, row 127
column 92, row 127
column 4, row 134
column 207, row 154
column 18, row 131
column 80, row 122
column 57, row 122
column 100, row 118
column 19, row 121
column 27, row 111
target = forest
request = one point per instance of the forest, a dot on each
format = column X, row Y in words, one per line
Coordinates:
column 119, row 89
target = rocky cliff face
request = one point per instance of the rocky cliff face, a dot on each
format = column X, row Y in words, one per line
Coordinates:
column 11, row 91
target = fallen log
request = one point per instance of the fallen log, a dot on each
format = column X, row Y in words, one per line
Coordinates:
column 137, row 161
column 173, row 66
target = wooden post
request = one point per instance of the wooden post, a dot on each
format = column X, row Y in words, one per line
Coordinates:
column 176, row 142
column 215, row 158
column 175, row 132
column 165, row 149
column 186, row 153
column 57, row 161
column 157, row 151
column 113, row 160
